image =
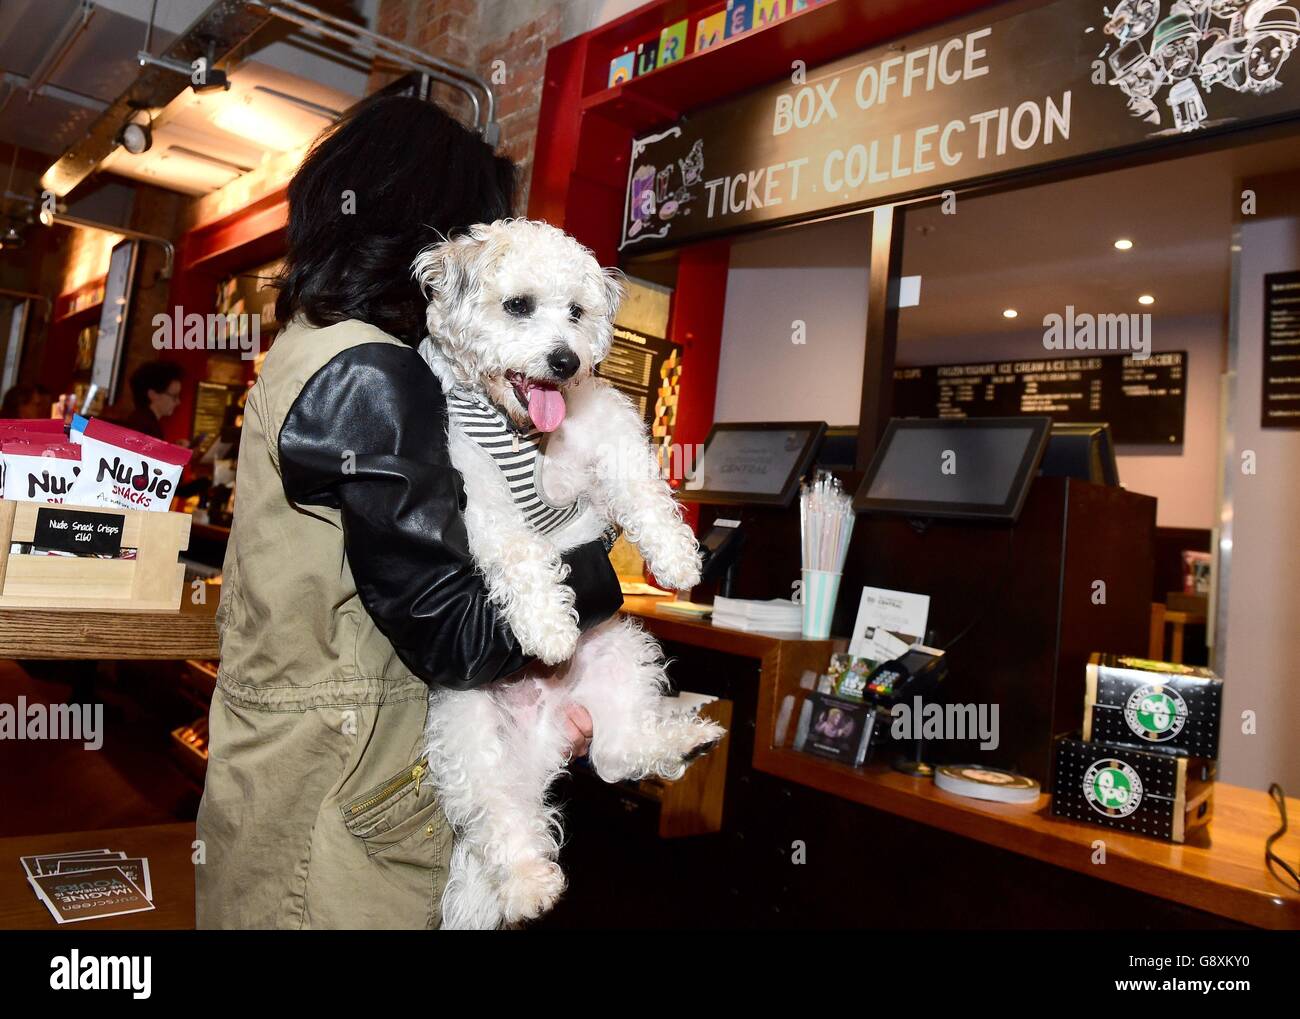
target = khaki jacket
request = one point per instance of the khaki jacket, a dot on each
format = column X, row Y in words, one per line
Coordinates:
column 313, row 814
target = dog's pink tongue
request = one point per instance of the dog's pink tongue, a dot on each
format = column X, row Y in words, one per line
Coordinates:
column 546, row 408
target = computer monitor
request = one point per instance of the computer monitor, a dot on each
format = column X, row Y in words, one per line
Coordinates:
column 964, row 469
column 1082, row 450
column 753, row 463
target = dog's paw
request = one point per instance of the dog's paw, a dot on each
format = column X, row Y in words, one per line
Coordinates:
column 679, row 571
column 555, row 646
column 531, row 888
column 686, row 737
column 549, row 632
column 708, row 736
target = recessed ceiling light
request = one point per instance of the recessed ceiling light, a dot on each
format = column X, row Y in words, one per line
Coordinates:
column 1146, row 299
column 1010, row 313
column 1123, row 244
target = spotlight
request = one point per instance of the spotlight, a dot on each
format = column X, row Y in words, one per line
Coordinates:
column 1146, row 299
column 1010, row 313
column 1123, row 244
column 12, row 239
column 135, row 138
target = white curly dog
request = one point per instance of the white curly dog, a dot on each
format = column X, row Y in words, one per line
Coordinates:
column 519, row 313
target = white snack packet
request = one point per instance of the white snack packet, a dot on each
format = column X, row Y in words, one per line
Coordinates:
column 125, row 469
column 39, row 472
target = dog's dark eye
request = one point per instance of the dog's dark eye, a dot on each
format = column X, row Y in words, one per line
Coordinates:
column 519, row 307
column 575, row 312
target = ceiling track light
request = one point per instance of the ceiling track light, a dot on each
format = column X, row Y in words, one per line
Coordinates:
column 135, row 137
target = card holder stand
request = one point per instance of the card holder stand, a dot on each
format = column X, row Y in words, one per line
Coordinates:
column 151, row 582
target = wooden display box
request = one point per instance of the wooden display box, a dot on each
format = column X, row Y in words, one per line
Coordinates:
column 151, row 582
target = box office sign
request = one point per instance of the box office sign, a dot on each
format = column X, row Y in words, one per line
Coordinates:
column 972, row 99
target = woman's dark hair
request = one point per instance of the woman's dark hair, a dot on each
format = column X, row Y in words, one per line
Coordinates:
column 155, row 376
column 415, row 176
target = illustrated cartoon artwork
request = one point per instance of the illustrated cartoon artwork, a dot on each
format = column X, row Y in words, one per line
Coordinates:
column 693, row 165
column 1133, row 19
column 1271, row 35
column 1139, row 77
column 1199, row 46
column 653, row 200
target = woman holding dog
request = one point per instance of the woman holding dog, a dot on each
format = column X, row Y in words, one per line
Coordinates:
column 348, row 586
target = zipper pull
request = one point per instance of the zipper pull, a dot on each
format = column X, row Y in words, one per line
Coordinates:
column 417, row 773
column 515, row 442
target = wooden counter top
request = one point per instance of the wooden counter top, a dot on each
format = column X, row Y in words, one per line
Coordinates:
column 168, row 848
column 1221, row 871
column 65, row 634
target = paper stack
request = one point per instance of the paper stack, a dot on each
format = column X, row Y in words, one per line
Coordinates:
column 775, row 616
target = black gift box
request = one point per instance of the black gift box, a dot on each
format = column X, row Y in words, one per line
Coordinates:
column 1157, row 706
column 1131, row 790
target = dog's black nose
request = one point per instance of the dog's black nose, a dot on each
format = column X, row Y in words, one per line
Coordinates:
column 564, row 362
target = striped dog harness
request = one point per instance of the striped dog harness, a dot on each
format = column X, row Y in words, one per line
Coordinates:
column 518, row 454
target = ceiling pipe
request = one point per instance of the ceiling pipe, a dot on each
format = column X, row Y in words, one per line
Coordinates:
column 75, row 26
column 72, row 28
column 317, row 22
column 169, row 250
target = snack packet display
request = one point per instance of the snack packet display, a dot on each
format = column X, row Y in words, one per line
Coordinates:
column 38, row 430
column 123, row 468
column 38, row 471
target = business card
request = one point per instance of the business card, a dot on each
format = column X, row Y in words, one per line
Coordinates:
column 90, row 895
column 34, row 866
column 136, row 869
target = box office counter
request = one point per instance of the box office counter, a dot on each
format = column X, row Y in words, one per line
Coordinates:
column 1221, row 870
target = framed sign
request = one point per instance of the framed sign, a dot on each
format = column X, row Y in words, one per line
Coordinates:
column 114, row 317
column 993, row 93
column 1280, row 404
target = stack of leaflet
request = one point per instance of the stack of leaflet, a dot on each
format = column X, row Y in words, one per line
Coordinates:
column 775, row 616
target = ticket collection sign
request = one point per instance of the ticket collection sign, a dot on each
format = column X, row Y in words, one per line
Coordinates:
column 966, row 101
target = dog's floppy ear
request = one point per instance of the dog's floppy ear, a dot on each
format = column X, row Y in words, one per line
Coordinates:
column 443, row 273
column 612, row 292
column 438, row 272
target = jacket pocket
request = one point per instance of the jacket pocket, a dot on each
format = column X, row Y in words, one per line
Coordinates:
column 401, row 820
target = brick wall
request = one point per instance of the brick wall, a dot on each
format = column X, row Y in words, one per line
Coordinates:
column 506, row 43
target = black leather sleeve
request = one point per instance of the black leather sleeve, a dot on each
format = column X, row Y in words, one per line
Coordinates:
column 368, row 435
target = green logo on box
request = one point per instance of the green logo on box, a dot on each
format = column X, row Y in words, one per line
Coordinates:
column 1156, row 713
column 1112, row 788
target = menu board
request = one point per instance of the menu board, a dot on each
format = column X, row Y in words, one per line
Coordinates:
column 1143, row 400
column 633, row 366
column 1280, row 406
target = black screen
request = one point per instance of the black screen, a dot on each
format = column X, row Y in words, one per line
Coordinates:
column 969, row 468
